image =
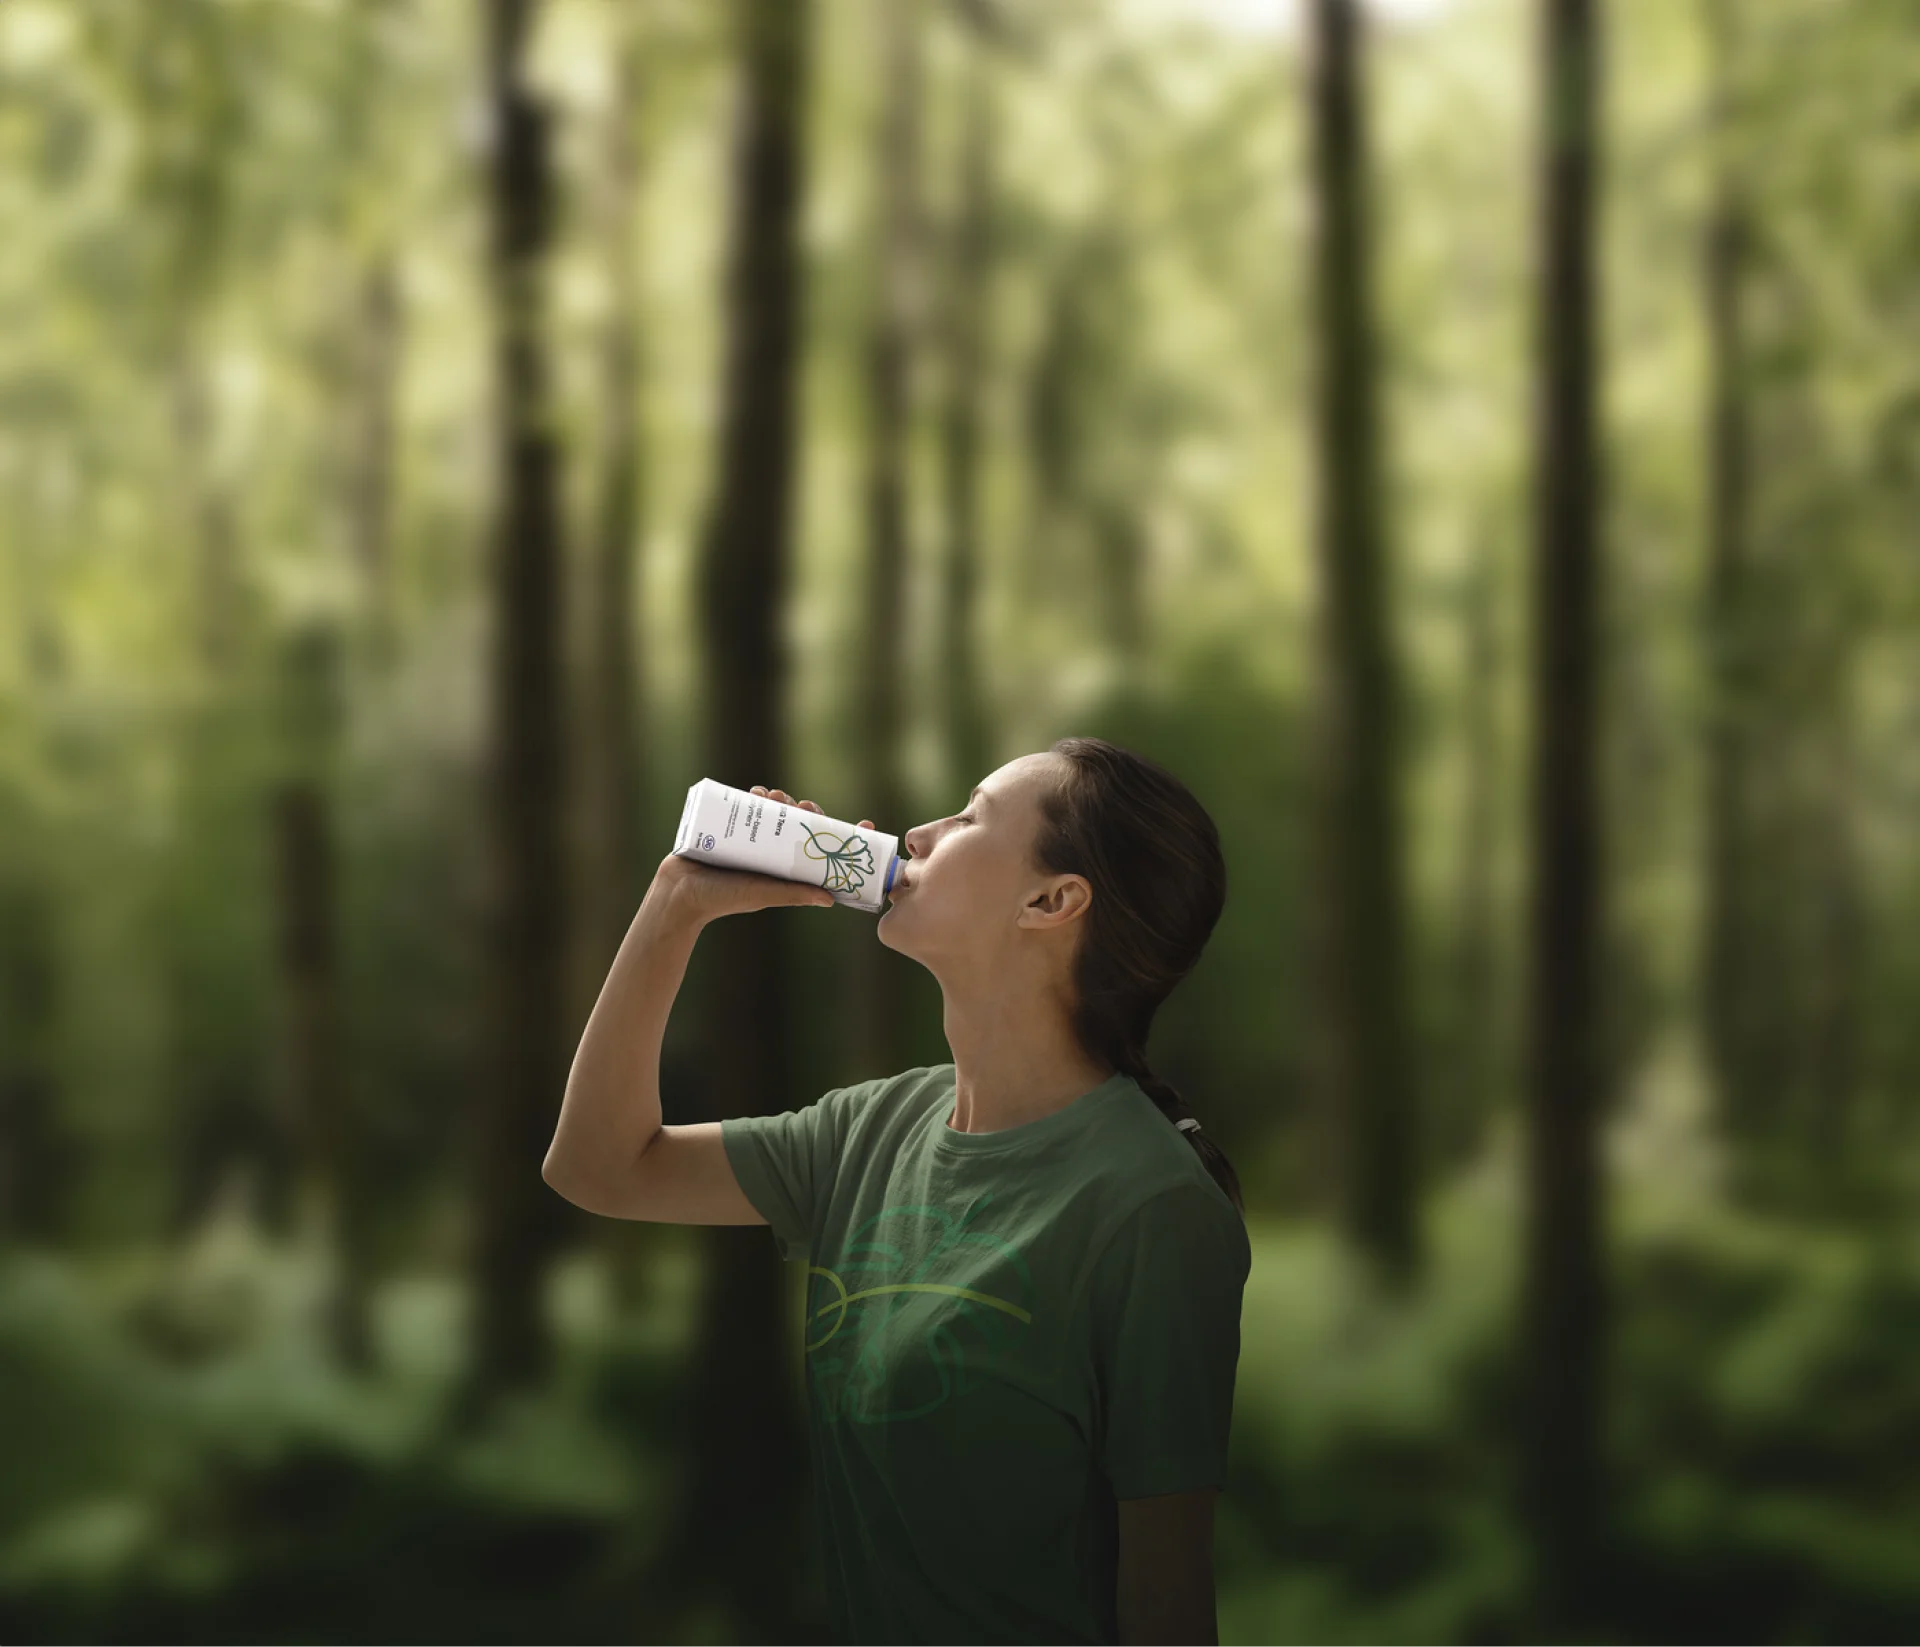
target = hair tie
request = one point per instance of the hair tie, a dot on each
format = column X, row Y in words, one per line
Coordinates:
column 1188, row 1125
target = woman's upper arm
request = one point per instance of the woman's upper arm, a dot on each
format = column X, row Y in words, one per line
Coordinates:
column 683, row 1176
column 1166, row 1571
column 1165, row 1583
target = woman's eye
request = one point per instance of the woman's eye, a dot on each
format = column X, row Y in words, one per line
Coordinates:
column 964, row 818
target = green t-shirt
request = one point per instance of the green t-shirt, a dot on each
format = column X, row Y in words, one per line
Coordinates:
column 1004, row 1332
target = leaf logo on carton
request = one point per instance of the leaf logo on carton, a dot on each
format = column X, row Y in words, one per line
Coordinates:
column 848, row 858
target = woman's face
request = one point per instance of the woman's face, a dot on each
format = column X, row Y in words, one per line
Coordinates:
column 970, row 890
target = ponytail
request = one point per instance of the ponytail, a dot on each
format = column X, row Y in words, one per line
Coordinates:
column 1180, row 1113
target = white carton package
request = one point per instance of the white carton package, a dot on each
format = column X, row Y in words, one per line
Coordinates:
column 737, row 829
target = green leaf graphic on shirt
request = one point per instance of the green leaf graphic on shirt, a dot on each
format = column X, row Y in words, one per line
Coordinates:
column 904, row 1324
column 849, row 858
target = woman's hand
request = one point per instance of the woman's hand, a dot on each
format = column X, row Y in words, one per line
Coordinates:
column 705, row 891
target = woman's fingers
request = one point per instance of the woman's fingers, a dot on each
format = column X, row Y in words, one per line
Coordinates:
column 782, row 795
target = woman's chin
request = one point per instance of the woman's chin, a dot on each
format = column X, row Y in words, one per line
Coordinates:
column 884, row 925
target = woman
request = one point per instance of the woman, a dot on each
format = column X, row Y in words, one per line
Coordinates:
column 1023, row 1316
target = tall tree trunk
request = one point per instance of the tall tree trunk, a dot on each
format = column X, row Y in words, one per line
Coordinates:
column 1369, row 1071
column 38, row 1156
column 1841, row 937
column 326, row 1123
column 1056, row 438
column 321, row 1097
column 1727, row 984
column 738, row 1509
column 378, row 373
column 882, row 686
column 1476, row 1007
column 1086, row 452
column 231, row 1147
column 970, row 270
column 519, row 1222
column 1563, row 1300
column 615, row 712
column 211, row 527
column 1838, row 935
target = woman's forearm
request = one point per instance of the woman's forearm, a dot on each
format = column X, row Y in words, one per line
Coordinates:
column 611, row 1109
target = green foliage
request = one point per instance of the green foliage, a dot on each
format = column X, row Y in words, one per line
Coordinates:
column 185, row 1463
column 1758, row 1451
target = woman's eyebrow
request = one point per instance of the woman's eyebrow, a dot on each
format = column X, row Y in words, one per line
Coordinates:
column 977, row 793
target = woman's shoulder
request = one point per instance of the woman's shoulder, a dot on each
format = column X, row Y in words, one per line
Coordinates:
column 1152, row 1172
column 922, row 1077
column 886, row 1099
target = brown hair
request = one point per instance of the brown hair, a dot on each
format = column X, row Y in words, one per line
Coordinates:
column 1152, row 855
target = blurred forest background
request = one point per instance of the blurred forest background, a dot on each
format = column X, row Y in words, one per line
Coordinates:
column 1474, row 443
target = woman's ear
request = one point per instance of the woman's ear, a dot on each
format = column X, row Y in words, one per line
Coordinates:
column 1063, row 900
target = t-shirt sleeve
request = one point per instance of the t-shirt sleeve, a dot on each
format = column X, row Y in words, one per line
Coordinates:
column 787, row 1163
column 1165, row 1297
